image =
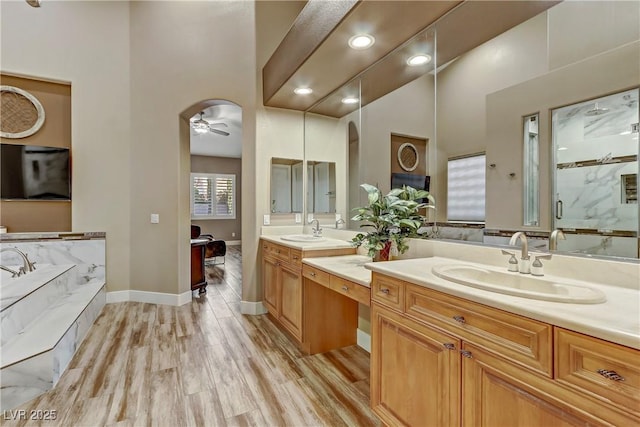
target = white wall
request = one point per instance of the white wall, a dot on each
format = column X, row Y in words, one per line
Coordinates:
column 87, row 44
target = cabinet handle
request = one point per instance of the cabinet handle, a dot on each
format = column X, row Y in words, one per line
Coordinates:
column 449, row 346
column 385, row 291
column 459, row 319
column 278, row 251
column 610, row 375
column 466, row 354
column 313, row 274
column 295, row 257
column 344, row 288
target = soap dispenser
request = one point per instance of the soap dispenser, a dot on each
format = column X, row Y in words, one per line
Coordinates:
column 513, row 261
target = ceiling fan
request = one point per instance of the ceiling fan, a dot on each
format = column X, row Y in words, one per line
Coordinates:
column 202, row 126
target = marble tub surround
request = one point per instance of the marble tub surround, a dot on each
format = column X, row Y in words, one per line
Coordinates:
column 615, row 320
column 42, row 329
column 87, row 254
column 349, row 267
column 14, row 289
column 24, row 309
column 28, row 378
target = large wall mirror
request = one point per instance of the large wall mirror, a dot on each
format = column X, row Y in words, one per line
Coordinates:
column 572, row 69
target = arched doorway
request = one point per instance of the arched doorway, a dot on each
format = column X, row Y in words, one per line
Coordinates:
column 212, row 179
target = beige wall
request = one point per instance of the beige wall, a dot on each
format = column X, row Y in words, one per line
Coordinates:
column 86, row 44
column 41, row 215
column 181, row 53
column 221, row 228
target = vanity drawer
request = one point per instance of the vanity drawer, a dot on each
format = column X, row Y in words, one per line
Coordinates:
column 281, row 252
column 387, row 291
column 520, row 339
column 295, row 257
column 353, row 290
column 608, row 371
column 317, row 275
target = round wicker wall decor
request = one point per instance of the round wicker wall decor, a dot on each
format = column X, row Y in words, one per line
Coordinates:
column 21, row 114
column 408, row 157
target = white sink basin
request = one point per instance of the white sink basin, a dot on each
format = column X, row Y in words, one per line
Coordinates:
column 519, row 285
column 305, row 238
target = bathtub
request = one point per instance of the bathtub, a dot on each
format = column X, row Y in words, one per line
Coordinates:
column 14, row 289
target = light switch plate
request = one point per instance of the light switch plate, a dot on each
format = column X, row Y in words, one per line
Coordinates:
column 155, row 218
column 266, row 219
column 298, row 218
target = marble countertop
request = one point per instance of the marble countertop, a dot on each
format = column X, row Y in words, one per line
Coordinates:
column 349, row 267
column 616, row 320
column 52, row 235
column 327, row 243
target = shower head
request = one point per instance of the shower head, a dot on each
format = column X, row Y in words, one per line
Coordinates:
column 596, row 111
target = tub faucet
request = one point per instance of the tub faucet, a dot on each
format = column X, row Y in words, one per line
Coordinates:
column 317, row 230
column 523, row 265
column 27, row 266
column 13, row 272
column 556, row 235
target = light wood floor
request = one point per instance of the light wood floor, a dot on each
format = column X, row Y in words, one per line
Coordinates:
column 204, row 364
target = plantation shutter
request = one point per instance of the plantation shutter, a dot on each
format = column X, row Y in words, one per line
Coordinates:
column 213, row 196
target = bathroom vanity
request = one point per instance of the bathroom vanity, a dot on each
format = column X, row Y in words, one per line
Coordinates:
column 282, row 277
column 440, row 358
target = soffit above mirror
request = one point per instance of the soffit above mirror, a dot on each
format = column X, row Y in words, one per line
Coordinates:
column 401, row 28
column 315, row 51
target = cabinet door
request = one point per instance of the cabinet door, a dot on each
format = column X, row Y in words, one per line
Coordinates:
column 270, row 285
column 291, row 300
column 497, row 393
column 415, row 372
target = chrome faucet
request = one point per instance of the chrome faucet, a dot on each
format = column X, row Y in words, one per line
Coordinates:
column 317, row 230
column 553, row 239
column 27, row 266
column 523, row 265
column 338, row 222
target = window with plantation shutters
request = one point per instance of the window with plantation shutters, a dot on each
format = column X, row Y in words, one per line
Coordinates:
column 213, row 196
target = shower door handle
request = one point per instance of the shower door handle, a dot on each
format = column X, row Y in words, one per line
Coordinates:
column 559, row 209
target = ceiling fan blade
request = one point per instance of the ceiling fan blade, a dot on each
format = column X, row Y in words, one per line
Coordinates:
column 219, row 124
column 218, row 131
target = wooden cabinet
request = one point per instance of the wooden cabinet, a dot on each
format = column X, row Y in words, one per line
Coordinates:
column 415, row 372
column 282, row 283
column 499, row 366
column 282, row 287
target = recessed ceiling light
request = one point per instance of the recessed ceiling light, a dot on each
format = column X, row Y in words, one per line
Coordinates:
column 303, row 90
column 361, row 41
column 419, row 59
column 350, row 100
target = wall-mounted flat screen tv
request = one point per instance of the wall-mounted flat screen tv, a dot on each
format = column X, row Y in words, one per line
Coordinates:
column 420, row 182
column 31, row 172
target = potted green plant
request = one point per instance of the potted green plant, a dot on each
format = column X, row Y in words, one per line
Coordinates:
column 392, row 218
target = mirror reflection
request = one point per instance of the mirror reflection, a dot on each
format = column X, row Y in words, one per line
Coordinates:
column 286, row 185
column 321, row 187
column 550, row 67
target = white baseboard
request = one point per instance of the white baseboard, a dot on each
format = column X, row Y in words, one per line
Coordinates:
column 252, row 308
column 364, row 340
column 149, row 297
column 233, row 242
